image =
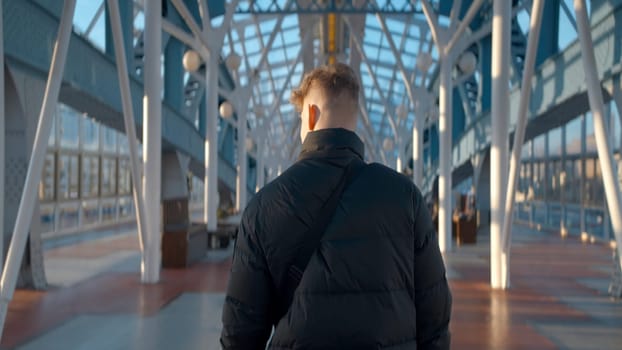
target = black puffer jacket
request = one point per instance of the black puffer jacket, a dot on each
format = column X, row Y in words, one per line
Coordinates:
column 376, row 282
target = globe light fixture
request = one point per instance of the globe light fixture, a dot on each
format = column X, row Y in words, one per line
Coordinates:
column 226, row 110
column 191, row 61
column 424, row 61
column 250, row 144
column 233, row 61
column 387, row 144
column 467, row 62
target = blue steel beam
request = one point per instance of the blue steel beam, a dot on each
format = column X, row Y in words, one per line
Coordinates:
column 263, row 7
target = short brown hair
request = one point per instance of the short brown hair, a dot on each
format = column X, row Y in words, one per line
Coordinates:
column 333, row 79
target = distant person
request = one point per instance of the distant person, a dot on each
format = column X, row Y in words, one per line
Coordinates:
column 372, row 275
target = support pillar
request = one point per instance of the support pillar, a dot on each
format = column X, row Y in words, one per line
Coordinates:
column 519, row 137
column 501, row 31
column 242, row 97
column 130, row 131
column 418, row 147
column 152, row 140
column 605, row 153
column 211, row 144
column 445, row 155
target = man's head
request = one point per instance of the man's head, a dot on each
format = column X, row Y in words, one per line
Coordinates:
column 327, row 98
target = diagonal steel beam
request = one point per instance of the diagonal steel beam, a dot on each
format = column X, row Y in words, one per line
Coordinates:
column 98, row 14
column 374, row 80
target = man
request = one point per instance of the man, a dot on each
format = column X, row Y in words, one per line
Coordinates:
column 377, row 280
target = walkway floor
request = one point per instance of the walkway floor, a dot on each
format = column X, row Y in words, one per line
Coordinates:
column 558, row 299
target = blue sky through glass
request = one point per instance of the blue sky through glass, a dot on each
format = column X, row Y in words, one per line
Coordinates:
column 410, row 34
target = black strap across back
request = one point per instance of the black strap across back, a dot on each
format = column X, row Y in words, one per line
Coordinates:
column 315, row 234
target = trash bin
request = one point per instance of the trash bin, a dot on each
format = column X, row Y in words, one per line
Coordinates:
column 465, row 229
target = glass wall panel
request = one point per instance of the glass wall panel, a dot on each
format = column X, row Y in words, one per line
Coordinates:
column 526, row 151
column 126, row 207
column 68, row 216
column 124, row 146
column 110, row 140
column 52, row 139
column 554, row 214
column 539, row 212
column 555, row 143
column 90, row 135
column 590, row 138
column 109, row 210
column 68, row 181
column 538, row 147
column 616, row 131
column 48, row 217
column 573, row 137
column 90, row 176
column 572, row 181
column 573, row 219
column 90, row 212
column 109, row 176
column 594, row 222
column 46, row 186
column 539, row 180
column 554, row 170
column 69, row 128
column 125, row 181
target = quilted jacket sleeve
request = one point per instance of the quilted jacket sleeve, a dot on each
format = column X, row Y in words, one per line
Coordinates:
column 246, row 314
column 432, row 294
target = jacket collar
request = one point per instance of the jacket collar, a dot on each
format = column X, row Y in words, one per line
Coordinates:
column 330, row 140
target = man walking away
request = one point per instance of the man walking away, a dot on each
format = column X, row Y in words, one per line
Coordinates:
column 334, row 253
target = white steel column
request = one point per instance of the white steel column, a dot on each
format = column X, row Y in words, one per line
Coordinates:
column 418, row 146
column 445, row 43
column 499, row 145
column 2, row 138
column 240, row 194
column 130, row 129
column 241, row 98
column 445, row 155
column 35, row 166
column 261, row 174
column 605, row 154
column 519, row 137
column 211, row 143
column 152, row 139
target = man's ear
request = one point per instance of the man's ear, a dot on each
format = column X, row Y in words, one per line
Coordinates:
column 313, row 116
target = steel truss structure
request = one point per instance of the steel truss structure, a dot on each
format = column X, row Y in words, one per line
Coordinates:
column 385, row 7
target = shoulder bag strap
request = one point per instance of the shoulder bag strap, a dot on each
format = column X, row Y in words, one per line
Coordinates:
column 316, row 232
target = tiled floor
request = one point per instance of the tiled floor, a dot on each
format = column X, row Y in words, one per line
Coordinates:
column 558, row 299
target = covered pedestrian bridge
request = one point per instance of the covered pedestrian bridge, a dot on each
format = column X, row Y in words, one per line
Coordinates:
column 127, row 122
